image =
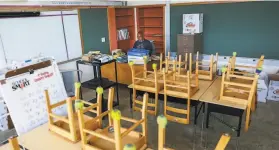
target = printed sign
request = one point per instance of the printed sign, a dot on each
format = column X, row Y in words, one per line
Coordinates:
column 25, row 97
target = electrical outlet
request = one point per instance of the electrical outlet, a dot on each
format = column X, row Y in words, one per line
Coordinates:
column 103, row 39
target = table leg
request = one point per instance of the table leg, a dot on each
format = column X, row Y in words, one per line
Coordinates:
column 196, row 116
column 131, row 99
column 239, row 125
column 116, row 80
column 78, row 75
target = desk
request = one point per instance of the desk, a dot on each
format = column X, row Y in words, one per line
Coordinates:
column 98, row 80
column 224, row 107
column 203, row 86
column 124, row 73
column 42, row 139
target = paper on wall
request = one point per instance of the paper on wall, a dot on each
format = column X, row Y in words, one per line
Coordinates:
column 25, row 99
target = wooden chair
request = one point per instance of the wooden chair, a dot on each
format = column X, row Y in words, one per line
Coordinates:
column 242, row 93
column 162, row 123
column 67, row 127
column 114, row 136
column 180, row 89
column 146, row 81
column 169, row 64
column 236, row 69
column 210, row 65
column 223, row 142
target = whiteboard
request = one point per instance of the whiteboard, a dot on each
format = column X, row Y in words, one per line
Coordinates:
column 71, row 26
column 24, row 38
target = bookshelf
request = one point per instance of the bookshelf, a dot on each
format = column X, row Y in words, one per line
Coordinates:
column 150, row 20
column 121, row 18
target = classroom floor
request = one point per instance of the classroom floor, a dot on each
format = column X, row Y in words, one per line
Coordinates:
column 262, row 135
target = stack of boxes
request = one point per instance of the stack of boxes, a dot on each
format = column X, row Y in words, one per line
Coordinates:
column 137, row 55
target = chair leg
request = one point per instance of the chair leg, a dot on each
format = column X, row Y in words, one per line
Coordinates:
column 247, row 119
column 156, row 103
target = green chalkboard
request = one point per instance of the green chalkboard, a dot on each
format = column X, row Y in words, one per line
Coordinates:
column 250, row 28
column 94, row 26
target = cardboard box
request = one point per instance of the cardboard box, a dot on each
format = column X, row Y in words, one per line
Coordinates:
column 137, row 59
column 273, row 88
column 192, row 23
column 262, row 87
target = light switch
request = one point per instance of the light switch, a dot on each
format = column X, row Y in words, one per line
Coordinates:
column 103, row 39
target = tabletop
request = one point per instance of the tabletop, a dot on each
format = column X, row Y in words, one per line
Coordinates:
column 5, row 147
column 203, row 86
column 42, row 139
column 212, row 96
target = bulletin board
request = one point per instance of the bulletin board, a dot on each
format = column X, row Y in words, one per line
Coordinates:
column 25, row 98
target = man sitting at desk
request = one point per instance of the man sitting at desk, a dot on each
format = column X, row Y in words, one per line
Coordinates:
column 143, row 43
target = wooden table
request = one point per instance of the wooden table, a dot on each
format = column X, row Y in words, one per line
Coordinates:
column 211, row 97
column 42, row 139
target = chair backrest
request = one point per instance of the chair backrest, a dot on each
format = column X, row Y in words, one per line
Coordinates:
column 238, row 89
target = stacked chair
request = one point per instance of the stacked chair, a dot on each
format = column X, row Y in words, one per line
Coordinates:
column 238, row 69
column 67, row 127
column 113, row 136
column 147, row 81
column 180, row 86
column 169, row 64
column 210, row 65
column 235, row 91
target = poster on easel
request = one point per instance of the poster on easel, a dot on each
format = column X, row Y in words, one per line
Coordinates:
column 25, row 98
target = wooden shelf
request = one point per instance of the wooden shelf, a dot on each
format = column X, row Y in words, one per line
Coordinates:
column 151, row 26
column 128, row 26
column 123, row 40
column 151, row 16
column 126, row 15
column 153, row 35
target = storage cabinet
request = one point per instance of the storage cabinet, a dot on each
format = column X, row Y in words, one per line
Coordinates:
column 189, row 43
